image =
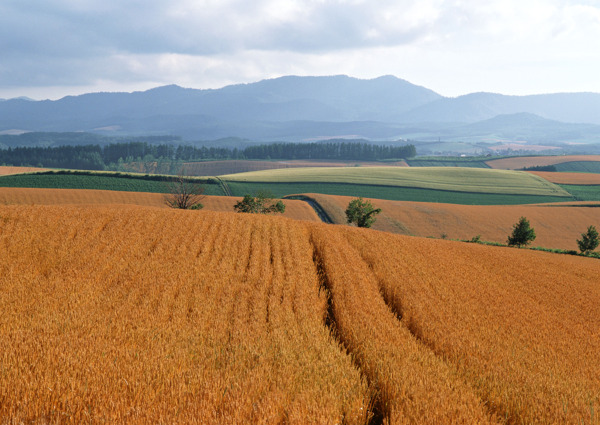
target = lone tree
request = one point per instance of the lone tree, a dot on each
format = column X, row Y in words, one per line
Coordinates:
column 589, row 240
column 184, row 193
column 361, row 213
column 262, row 203
column 522, row 233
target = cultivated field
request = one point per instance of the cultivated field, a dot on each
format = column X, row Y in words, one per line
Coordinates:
column 6, row 170
column 217, row 168
column 569, row 178
column 146, row 315
column 518, row 162
column 297, row 210
column 439, row 178
column 557, row 226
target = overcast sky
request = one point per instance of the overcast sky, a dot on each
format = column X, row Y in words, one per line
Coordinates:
column 53, row 48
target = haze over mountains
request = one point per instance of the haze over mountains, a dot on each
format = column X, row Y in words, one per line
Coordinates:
column 308, row 108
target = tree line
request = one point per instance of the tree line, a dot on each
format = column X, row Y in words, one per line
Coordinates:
column 111, row 156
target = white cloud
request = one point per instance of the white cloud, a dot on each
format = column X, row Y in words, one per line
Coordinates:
column 453, row 46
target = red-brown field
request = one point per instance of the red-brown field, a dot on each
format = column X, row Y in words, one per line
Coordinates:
column 130, row 314
column 30, row 196
column 519, row 162
column 6, row 170
column 557, row 226
column 569, row 178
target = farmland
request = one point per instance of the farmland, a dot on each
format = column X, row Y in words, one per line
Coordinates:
column 130, row 314
column 5, row 170
column 31, row 196
column 471, row 180
column 425, row 184
column 515, row 163
column 557, row 226
column 217, row 168
column 569, row 178
column 430, row 184
column 98, row 181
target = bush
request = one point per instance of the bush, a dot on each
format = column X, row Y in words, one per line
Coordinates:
column 361, row 213
column 262, row 203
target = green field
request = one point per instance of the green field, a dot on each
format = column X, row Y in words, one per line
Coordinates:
column 472, row 180
column 583, row 192
column 101, row 181
column 392, row 193
column 446, row 185
column 579, row 167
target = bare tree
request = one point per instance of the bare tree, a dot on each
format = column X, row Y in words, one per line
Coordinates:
column 184, row 193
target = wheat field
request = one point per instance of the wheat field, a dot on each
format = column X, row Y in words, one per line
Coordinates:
column 298, row 210
column 134, row 314
column 557, row 226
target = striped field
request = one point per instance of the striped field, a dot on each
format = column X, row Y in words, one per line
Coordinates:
column 473, row 180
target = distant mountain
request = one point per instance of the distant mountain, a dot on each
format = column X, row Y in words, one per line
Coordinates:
column 565, row 107
column 310, row 108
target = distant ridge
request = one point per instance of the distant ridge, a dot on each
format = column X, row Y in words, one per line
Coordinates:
column 297, row 108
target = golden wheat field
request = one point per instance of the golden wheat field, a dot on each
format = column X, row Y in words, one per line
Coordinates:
column 557, row 226
column 515, row 163
column 132, row 314
column 298, row 210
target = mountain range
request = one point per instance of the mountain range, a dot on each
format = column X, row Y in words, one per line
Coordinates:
column 310, row 108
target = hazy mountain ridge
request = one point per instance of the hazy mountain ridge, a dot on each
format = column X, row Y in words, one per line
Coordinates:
column 305, row 108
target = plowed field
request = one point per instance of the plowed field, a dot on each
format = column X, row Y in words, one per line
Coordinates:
column 569, row 178
column 556, row 227
column 145, row 315
column 537, row 161
column 6, row 170
column 28, row 196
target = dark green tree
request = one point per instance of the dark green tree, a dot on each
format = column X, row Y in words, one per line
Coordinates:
column 262, row 203
column 361, row 213
column 522, row 233
column 589, row 240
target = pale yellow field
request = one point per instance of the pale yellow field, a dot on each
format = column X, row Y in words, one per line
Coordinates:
column 557, row 226
column 478, row 180
column 136, row 315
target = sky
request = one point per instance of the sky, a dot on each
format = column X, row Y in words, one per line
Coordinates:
column 53, row 48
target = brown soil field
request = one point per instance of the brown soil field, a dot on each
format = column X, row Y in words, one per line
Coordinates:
column 569, row 178
column 218, row 168
column 557, row 226
column 135, row 315
column 297, row 210
column 6, row 170
column 535, row 161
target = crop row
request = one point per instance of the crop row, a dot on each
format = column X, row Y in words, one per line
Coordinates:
column 145, row 315
column 131, row 315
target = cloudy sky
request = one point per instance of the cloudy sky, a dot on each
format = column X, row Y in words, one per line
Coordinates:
column 53, row 48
